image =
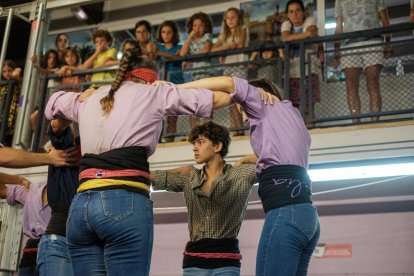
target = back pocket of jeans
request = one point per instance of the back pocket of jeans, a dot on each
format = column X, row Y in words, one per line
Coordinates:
column 117, row 204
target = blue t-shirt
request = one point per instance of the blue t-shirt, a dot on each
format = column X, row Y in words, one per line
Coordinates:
column 174, row 73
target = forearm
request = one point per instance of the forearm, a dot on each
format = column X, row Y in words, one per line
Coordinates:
column 185, row 48
column 223, row 83
column 289, row 36
column 218, row 48
column 12, row 158
column 10, row 179
column 206, row 49
column 89, row 62
column 164, row 180
column 166, row 55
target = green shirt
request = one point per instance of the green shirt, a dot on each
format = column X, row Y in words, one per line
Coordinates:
column 219, row 215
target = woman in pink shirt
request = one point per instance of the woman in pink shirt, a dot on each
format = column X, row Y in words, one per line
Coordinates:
column 110, row 223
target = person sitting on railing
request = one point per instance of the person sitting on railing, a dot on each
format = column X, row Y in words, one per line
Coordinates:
column 101, row 58
column 300, row 26
column 10, row 72
column 199, row 41
column 234, row 34
column 356, row 16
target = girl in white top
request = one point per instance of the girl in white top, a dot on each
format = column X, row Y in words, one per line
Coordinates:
column 233, row 35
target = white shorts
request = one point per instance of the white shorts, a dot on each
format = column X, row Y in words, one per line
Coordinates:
column 362, row 57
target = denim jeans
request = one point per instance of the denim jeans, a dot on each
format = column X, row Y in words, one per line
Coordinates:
column 53, row 256
column 222, row 271
column 110, row 233
column 289, row 236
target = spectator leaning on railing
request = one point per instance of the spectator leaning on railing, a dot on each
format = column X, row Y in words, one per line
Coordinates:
column 356, row 16
column 10, row 72
column 300, row 26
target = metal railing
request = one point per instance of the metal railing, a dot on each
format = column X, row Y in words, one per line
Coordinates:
column 328, row 109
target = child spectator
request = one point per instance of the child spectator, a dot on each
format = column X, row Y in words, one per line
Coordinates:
column 61, row 43
column 71, row 61
column 199, row 41
column 102, row 57
column 168, row 47
column 143, row 32
column 49, row 64
column 233, row 35
column 10, row 72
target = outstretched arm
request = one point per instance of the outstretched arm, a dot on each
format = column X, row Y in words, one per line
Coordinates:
column 183, row 170
column 171, row 180
column 13, row 158
column 223, row 84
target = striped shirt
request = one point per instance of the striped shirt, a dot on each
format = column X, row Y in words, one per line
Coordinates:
column 219, row 215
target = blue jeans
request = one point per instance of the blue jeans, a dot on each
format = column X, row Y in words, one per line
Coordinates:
column 289, row 236
column 53, row 256
column 110, row 233
column 222, row 271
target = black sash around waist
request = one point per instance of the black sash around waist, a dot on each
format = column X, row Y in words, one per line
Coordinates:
column 57, row 223
column 119, row 159
column 225, row 245
column 29, row 253
column 283, row 185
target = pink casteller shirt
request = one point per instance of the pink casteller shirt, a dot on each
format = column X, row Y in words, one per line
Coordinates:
column 136, row 117
column 278, row 135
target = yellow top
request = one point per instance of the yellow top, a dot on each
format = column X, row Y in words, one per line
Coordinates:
column 102, row 57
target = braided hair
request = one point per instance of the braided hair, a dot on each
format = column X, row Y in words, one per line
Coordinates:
column 131, row 60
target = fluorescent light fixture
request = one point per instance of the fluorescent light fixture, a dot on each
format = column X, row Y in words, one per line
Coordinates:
column 80, row 14
column 359, row 172
column 330, row 26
